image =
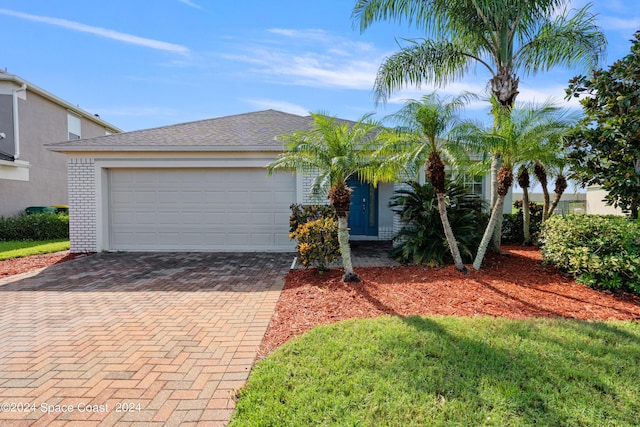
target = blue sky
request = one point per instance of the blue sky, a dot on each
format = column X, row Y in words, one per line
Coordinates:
column 142, row 64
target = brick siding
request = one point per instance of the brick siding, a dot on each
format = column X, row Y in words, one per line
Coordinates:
column 82, row 205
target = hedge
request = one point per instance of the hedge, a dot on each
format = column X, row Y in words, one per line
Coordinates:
column 40, row 226
column 599, row 251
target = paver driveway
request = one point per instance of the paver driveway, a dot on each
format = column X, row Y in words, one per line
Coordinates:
column 134, row 339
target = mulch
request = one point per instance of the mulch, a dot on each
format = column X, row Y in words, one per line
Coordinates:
column 13, row 266
column 515, row 285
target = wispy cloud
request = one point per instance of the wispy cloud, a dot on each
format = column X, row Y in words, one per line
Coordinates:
column 274, row 104
column 102, row 32
column 310, row 58
column 622, row 24
column 190, row 4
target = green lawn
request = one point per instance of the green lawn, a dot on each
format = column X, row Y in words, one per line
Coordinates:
column 20, row 248
column 449, row 371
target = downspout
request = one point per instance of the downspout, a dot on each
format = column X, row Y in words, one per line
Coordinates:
column 16, row 129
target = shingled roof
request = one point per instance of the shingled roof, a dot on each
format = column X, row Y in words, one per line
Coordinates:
column 241, row 132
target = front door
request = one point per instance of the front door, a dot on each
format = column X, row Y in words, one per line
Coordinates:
column 363, row 211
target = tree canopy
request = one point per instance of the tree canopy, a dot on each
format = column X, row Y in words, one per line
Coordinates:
column 605, row 146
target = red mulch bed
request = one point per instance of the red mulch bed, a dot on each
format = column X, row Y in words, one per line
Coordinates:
column 13, row 266
column 514, row 285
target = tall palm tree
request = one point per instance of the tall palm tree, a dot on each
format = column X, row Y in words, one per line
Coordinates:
column 419, row 139
column 332, row 151
column 507, row 37
column 517, row 136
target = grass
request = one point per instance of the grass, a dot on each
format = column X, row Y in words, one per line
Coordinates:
column 20, row 248
column 445, row 371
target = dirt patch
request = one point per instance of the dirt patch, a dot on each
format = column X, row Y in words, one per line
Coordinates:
column 514, row 285
column 13, row 266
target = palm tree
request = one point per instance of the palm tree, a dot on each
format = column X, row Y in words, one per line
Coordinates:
column 507, row 37
column 504, row 36
column 422, row 125
column 333, row 151
column 517, row 135
column 524, row 181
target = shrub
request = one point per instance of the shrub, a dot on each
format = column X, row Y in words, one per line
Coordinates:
column 40, row 226
column 422, row 239
column 315, row 227
column 512, row 231
column 301, row 214
column 317, row 242
column 599, row 251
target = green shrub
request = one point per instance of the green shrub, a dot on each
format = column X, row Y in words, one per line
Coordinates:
column 512, row 231
column 41, row 226
column 599, row 251
column 316, row 229
column 317, row 242
column 422, row 239
column 301, row 214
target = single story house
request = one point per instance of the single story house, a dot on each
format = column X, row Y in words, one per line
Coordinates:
column 199, row 186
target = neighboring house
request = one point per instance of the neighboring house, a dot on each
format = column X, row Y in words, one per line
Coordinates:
column 30, row 117
column 596, row 204
column 573, row 203
column 200, row 186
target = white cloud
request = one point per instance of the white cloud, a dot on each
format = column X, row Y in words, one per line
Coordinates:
column 190, row 4
column 285, row 106
column 620, row 24
column 102, row 32
column 311, row 58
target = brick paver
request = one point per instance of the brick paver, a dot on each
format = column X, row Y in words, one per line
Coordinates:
column 134, row 339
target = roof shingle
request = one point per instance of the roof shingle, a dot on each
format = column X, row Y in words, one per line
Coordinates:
column 257, row 130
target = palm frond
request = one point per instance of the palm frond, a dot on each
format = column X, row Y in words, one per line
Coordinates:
column 563, row 41
column 426, row 61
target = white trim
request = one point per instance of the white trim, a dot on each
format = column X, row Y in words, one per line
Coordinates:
column 17, row 170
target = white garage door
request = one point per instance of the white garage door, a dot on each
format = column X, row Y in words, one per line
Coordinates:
column 233, row 209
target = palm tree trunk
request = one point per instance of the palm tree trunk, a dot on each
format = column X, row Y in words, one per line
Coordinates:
column 345, row 250
column 496, row 163
column 561, row 185
column 488, row 233
column 451, row 239
column 526, row 217
column 554, row 204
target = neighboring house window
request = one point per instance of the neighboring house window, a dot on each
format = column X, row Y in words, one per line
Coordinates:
column 73, row 124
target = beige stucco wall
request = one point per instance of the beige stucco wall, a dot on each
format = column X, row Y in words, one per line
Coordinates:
column 596, row 205
column 40, row 122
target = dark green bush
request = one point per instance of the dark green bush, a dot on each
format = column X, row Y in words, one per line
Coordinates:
column 512, row 231
column 599, row 251
column 317, row 243
column 315, row 227
column 422, row 239
column 41, row 226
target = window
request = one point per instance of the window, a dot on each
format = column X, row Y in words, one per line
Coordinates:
column 471, row 182
column 73, row 124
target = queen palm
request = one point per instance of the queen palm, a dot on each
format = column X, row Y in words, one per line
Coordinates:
column 419, row 139
column 506, row 37
column 518, row 135
column 332, row 151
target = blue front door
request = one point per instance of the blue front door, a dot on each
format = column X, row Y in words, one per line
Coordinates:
column 363, row 211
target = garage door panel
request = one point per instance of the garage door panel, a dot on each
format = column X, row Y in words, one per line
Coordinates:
column 200, row 209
